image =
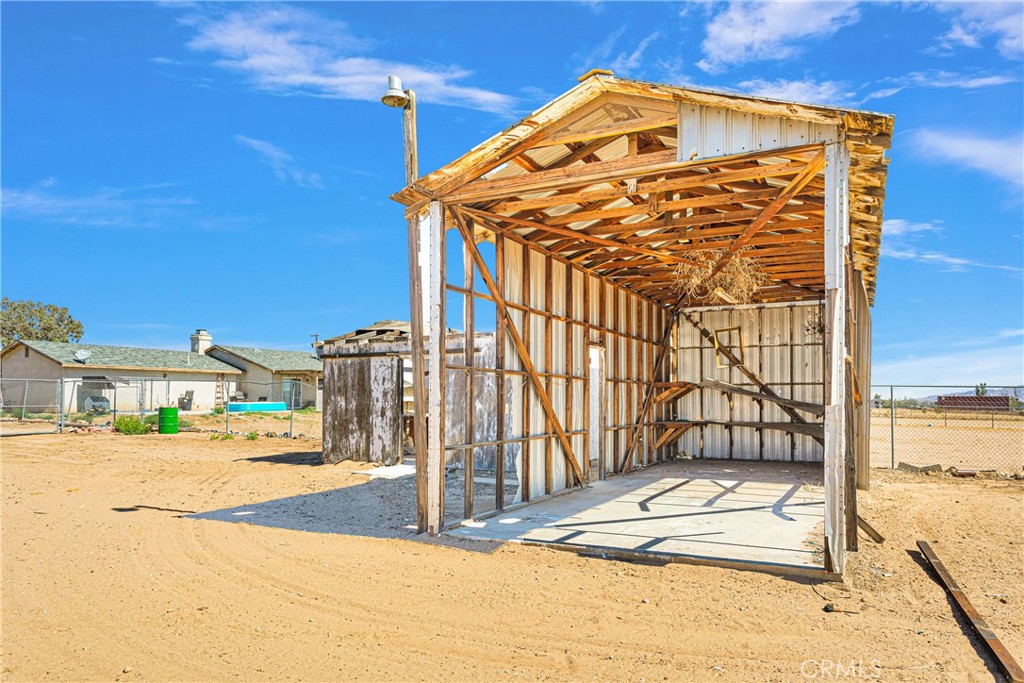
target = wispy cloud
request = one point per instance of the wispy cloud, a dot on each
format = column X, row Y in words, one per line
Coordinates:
column 281, row 162
column 938, row 79
column 1002, row 158
column 902, row 239
column 746, row 32
column 289, row 50
column 609, row 55
column 818, row 92
column 139, row 207
column 974, row 22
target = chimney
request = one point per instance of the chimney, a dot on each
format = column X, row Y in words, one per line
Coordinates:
column 201, row 340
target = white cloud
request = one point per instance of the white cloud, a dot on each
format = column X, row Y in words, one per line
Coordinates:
column 282, row 163
column 973, row 22
column 818, row 92
column 901, row 239
column 288, row 50
column 626, row 63
column 747, row 32
column 1002, row 158
column 894, row 227
column 104, row 208
column 939, row 79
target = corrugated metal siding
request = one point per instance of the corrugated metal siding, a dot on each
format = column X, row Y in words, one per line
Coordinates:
column 707, row 132
column 782, row 345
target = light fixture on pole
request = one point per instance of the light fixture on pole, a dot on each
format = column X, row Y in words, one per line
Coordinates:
column 405, row 100
column 398, row 98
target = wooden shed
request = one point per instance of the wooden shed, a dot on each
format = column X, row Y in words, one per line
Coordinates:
column 575, row 232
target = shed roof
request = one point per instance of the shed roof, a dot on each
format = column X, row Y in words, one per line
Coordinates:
column 275, row 360
column 127, row 357
column 380, row 331
column 602, row 177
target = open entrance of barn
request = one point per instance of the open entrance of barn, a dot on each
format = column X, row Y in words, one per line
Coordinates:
column 714, row 257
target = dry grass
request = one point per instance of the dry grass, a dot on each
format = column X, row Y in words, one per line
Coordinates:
column 736, row 283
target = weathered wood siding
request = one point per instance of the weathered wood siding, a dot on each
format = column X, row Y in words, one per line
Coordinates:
column 363, row 414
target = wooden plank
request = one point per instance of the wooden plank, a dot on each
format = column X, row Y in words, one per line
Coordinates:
column 807, row 429
column 525, row 293
column 870, row 530
column 727, row 388
column 549, row 445
column 1003, row 658
column 419, row 399
column 524, row 353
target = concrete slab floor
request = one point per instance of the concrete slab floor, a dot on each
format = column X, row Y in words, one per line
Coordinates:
column 766, row 513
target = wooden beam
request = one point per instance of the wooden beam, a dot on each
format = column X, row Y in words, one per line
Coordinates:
column 809, row 429
column 792, row 189
column 616, row 129
column 626, row 464
column 493, row 220
column 727, row 388
column 524, row 353
column 1014, row 672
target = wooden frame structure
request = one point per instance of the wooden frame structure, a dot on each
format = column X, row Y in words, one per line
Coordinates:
column 592, row 205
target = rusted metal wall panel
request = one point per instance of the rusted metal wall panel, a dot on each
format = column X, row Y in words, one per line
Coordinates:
column 363, row 415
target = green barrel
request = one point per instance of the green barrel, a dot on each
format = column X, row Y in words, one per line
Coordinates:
column 168, row 421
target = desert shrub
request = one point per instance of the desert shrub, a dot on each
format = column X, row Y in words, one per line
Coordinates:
column 252, row 436
column 217, row 410
column 308, row 410
column 214, row 437
column 185, row 424
column 226, row 437
column 131, row 424
column 152, row 419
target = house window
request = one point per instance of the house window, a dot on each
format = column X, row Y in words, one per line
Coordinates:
column 26, row 352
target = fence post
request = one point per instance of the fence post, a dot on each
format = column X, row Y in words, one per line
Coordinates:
column 115, row 401
column 227, row 416
column 61, row 423
column 892, row 425
column 24, row 399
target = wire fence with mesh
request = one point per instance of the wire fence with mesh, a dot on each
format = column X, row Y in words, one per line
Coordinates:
column 978, row 428
column 40, row 406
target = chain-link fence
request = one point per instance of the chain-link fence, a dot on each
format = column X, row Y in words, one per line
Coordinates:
column 283, row 408
column 970, row 428
column 29, row 406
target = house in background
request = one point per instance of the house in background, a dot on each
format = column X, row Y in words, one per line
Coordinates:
column 144, row 379
column 295, row 377
column 137, row 378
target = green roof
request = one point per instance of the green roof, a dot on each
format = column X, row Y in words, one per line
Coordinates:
column 129, row 357
column 275, row 360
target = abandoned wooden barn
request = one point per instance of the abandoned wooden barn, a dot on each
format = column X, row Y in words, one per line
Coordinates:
column 577, row 236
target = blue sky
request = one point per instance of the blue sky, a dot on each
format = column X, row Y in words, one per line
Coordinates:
column 173, row 166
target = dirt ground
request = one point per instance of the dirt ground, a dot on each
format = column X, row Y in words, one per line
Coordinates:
column 106, row 577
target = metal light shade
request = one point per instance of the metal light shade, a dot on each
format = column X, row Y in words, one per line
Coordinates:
column 395, row 97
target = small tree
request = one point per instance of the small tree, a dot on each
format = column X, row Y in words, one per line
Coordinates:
column 23, row 319
column 981, row 390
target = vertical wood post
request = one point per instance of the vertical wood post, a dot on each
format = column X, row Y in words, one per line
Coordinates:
column 436, row 374
column 499, row 363
column 836, row 237
column 419, row 400
column 468, row 462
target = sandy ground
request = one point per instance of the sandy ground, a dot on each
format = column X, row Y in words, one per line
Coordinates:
column 105, row 577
